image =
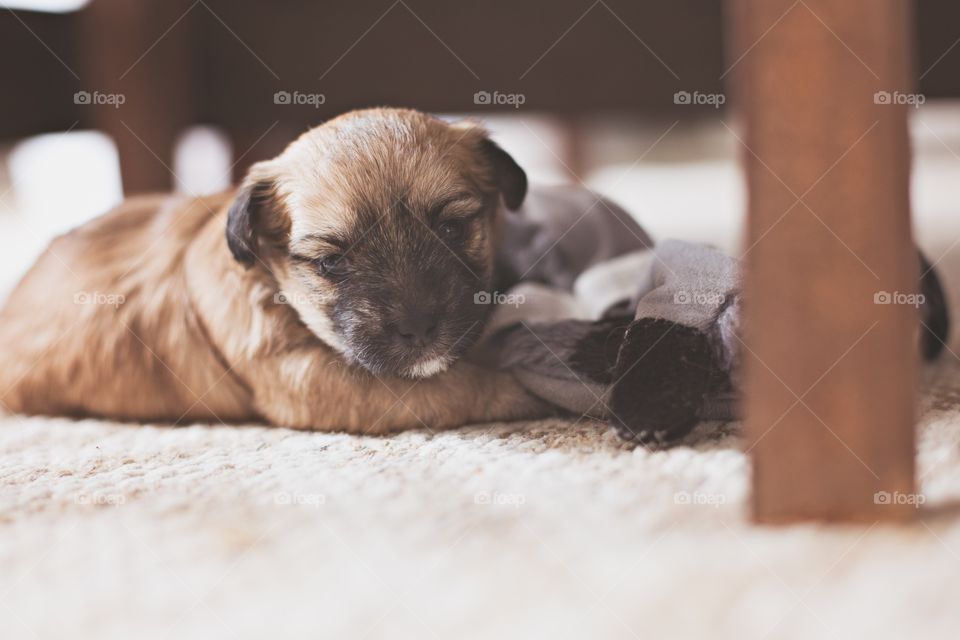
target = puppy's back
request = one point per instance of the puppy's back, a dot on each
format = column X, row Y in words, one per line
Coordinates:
column 101, row 322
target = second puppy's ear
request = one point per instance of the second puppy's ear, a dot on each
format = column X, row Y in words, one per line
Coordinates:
column 254, row 212
column 511, row 178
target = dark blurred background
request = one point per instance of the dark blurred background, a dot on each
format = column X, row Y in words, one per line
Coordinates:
column 222, row 62
column 106, row 97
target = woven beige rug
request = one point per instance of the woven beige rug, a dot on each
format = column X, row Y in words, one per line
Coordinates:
column 550, row 529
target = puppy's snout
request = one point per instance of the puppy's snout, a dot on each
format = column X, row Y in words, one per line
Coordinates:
column 416, row 329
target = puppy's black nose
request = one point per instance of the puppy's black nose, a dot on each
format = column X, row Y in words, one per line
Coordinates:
column 416, row 329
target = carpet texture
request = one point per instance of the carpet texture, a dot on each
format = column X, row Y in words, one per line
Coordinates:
column 550, row 529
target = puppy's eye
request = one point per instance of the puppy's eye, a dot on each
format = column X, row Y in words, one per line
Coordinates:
column 452, row 230
column 334, row 265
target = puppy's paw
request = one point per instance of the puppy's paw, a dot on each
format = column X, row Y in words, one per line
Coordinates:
column 663, row 372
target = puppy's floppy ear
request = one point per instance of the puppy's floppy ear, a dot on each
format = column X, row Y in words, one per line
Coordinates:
column 511, row 179
column 253, row 214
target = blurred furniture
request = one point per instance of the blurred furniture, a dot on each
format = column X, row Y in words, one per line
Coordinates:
column 181, row 62
column 831, row 374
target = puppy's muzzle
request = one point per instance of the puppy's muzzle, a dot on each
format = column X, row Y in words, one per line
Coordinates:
column 414, row 330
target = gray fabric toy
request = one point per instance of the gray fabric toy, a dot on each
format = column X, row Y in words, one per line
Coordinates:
column 601, row 322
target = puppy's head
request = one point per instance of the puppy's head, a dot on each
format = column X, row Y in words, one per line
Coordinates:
column 380, row 228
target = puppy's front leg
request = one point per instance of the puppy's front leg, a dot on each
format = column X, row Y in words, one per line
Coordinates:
column 311, row 391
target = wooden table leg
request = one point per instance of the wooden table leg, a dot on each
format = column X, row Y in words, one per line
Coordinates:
column 142, row 52
column 830, row 369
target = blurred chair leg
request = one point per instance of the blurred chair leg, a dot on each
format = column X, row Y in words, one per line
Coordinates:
column 830, row 369
column 128, row 53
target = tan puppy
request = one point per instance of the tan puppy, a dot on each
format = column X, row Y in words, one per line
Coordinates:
column 334, row 290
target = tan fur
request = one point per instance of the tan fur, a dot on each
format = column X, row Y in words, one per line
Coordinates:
column 143, row 313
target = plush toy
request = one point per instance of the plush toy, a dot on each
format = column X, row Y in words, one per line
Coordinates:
column 599, row 321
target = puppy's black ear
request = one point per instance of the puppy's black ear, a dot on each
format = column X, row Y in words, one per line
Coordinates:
column 247, row 217
column 511, row 179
